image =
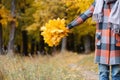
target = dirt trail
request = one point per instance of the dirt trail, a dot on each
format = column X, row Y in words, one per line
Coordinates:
column 87, row 75
column 90, row 75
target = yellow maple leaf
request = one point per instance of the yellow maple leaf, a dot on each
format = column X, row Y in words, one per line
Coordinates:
column 54, row 31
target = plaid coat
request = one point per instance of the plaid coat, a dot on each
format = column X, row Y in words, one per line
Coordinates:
column 107, row 44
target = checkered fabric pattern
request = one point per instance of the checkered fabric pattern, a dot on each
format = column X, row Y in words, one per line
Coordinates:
column 107, row 44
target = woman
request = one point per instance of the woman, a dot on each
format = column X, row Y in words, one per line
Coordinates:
column 106, row 13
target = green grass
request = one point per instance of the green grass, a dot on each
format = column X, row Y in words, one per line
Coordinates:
column 62, row 66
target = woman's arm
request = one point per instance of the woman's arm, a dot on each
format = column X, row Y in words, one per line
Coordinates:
column 81, row 18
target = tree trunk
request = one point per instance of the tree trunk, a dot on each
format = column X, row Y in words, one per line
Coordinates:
column 70, row 46
column 11, row 38
column 0, row 35
column 1, row 51
column 32, row 46
column 12, row 31
column 37, row 48
column 25, row 43
column 87, row 44
column 42, row 49
column 64, row 43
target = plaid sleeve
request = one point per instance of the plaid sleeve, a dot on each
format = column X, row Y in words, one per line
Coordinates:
column 81, row 18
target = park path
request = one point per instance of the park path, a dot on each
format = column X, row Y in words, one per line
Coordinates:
column 86, row 74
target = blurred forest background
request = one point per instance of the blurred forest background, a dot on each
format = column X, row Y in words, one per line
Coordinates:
column 21, row 20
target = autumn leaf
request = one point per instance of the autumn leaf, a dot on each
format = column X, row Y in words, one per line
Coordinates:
column 54, row 31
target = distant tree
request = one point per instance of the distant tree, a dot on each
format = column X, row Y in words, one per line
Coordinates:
column 12, row 31
column 25, row 43
column 1, row 51
column 4, row 19
column 0, row 34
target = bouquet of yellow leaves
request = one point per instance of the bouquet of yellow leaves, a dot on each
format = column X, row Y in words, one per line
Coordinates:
column 54, row 31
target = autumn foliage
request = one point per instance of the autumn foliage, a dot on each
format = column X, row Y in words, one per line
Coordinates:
column 54, row 31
